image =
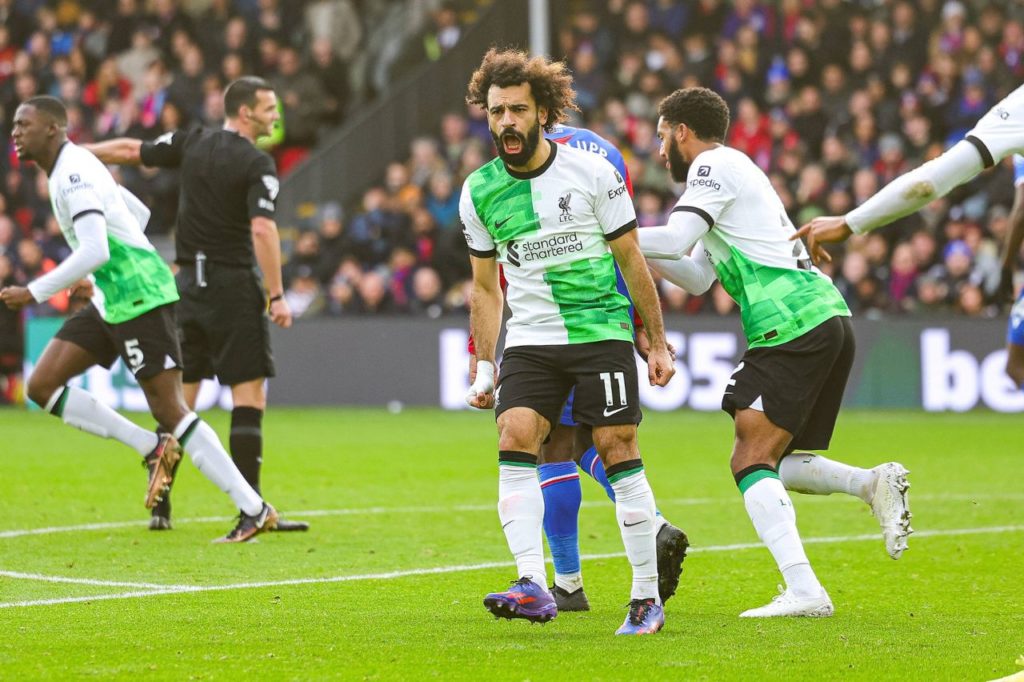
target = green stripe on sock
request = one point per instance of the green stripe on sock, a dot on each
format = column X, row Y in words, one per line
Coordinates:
column 187, row 436
column 529, row 465
column 61, row 402
column 755, row 476
column 615, row 478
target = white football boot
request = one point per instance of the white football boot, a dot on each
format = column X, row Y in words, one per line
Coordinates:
column 787, row 604
column 890, row 505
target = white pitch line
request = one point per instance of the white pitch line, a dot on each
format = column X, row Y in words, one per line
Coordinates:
column 391, row 575
column 84, row 581
column 369, row 511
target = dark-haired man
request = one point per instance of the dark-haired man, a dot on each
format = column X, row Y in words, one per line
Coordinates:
column 558, row 219
column 131, row 315
column 225, row 228
column 786, row 392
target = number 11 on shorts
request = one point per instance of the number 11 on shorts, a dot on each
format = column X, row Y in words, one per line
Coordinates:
column 620, row 379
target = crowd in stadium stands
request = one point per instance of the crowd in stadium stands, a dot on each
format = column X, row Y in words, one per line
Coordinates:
column 832, row 98
column 141, row 68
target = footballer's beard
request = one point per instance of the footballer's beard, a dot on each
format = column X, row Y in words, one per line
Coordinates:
column 525, row 144
column 677, row 166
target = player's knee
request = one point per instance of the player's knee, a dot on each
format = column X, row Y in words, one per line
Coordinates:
column 616, row 443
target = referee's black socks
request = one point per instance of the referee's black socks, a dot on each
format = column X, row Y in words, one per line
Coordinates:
column 247, row 443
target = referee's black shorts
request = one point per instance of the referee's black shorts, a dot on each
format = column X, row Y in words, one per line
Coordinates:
column 798, row 385
column 225, row 330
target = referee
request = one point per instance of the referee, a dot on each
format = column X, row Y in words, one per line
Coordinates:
column 225, row 228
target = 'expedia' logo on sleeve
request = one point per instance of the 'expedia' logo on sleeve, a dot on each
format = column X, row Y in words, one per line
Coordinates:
column 703, row 179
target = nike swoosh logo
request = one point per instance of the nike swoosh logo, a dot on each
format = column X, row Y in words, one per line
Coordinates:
column 498, row 224
column 630, row 525
column 608, row 414
column 506, row 525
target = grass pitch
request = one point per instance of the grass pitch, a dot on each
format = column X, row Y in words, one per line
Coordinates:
column 406, row 541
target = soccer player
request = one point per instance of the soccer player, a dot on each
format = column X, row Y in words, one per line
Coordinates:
column 570, row 444
column 1011, row 251
column 558, row 219
column 999, row 133
column 225, row 218
column 785, row 393
column 131, row 314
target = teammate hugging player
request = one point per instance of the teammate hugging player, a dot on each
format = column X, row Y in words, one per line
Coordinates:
column 131, row 315
column 570, row 327
column 786, row 392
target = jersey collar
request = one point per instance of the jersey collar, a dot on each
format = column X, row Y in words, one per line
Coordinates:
column 536, row 171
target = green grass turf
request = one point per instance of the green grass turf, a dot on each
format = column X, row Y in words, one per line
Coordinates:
column 950, row 609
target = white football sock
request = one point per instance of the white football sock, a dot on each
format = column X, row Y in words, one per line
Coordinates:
column 774, row 518
column 803, row 472
column 201, row 443
column 82, row 410
column 634, row 510
column 521, row 511
column 569, row 582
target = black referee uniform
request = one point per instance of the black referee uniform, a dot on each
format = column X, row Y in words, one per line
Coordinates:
column 225, row 182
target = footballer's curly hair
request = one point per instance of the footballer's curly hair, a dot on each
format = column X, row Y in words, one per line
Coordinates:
column 550, row 82
column 702, row 110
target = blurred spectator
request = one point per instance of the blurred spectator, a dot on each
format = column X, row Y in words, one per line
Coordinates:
column 302, row 97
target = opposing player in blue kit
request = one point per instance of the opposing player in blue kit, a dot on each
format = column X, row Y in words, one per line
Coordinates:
column 1011, row 252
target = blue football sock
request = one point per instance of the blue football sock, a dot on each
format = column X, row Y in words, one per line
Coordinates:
column 591, row 464
column 560, row 484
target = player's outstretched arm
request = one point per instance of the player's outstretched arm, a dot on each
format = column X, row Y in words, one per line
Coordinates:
column 121, row 151
column 266, row 244
column 693, row 273
column 485, row 310
column 626, row 250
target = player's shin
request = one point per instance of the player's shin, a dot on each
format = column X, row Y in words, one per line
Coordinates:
column 560, row 485
column 774, row 519
column 635, row 513
column 521, row 511
column 592, row 465
column 80, row 409
column 201, row 442
column 803, row 472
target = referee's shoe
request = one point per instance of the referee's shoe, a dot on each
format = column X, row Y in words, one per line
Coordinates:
column 285, row 526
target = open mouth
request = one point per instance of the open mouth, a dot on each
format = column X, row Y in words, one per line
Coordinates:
column 512, row 143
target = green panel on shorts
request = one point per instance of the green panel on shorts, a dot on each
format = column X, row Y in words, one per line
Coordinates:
column 589, row 301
